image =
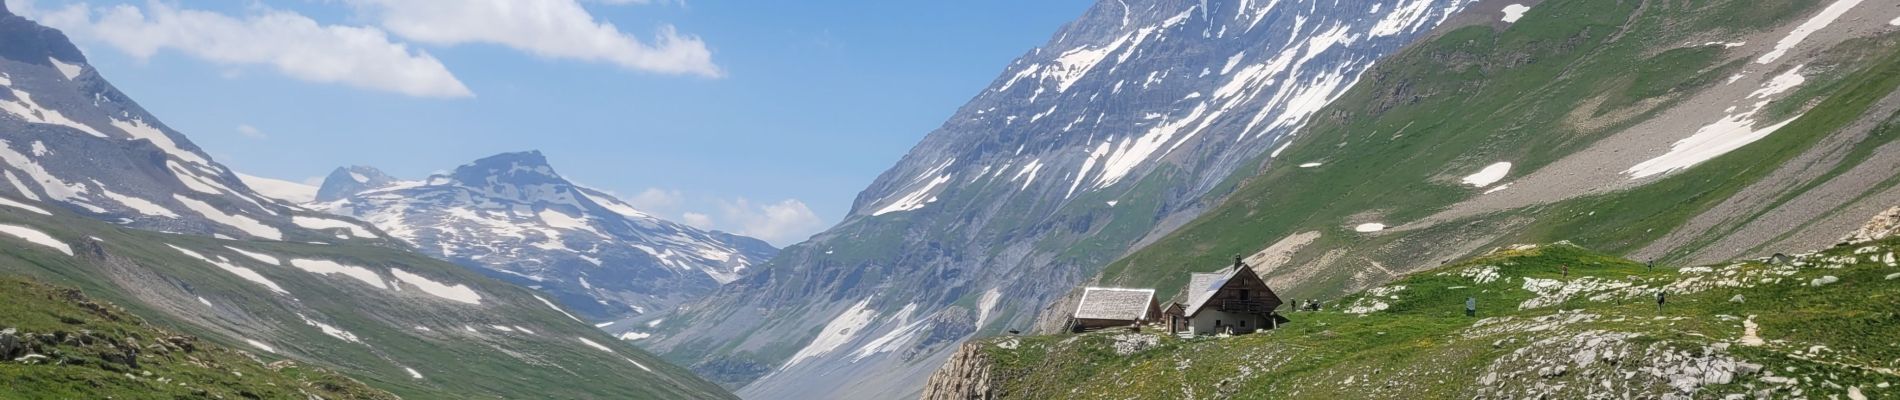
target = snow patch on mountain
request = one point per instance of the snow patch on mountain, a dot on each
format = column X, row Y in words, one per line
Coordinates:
column 280, row 189
column 30, row 111
column 23, row 206
column 458, row 293
column 1826, row 17
column 1489, row 175
column 317, row 223
column 327, row 267
column 142, row 206
column 242, row 223
column 138, row 129
column 1514, row 11
column 260, row 257
column 1724, row 135
column 331, row 330
column 839, row 331
column 34, row 236
column 70, row 71
column 241, row 272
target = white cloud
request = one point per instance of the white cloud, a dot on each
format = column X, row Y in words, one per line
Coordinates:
column 697, row 220
column 559, row 29
column 783, row 223
column 251, row 132
column 658, row 200
column 291, row 43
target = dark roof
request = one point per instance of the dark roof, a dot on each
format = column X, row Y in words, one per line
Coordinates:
column 1115, row 304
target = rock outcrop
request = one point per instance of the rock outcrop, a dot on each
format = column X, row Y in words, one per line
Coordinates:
column 1883, row 225
column 966, row 376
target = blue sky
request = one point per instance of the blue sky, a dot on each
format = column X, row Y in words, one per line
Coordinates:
column 758, row 117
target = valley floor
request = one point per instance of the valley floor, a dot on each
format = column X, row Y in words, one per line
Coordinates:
column 1819, row 325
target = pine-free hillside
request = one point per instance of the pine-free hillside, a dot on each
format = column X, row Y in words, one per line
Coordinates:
column 1679, row 132
column 1117, row 130
column 59, row 343
column 1815, row 325
column 393, row 319
column 513, row 217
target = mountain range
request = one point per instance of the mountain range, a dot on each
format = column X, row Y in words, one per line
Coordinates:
column 514, row 218
column 104, row 199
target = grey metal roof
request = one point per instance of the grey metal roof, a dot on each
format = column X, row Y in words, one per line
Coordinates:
column 1202, row 286
column 1114, row 304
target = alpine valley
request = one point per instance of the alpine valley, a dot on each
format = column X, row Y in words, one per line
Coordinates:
column 1658, row 199
column 1334, row 146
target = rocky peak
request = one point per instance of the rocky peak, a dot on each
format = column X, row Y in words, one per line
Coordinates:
column 346, row 181
column 29, row 42
column 520, row 168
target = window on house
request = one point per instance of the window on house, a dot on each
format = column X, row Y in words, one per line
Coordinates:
column 1244, row 294
column 1243, row 323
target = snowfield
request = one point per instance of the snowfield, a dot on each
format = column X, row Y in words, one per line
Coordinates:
column 23, row 206
column 327, row 223
column 326, row 267
column 1489, row 175
column 457, row 293
column 260, row 257
column 1514, row 11
column 241, row 272
column 840, row 330
column 70, row 71
column 240, row 222
column 1724, row 135
column 36, row 237
column 1826, row 17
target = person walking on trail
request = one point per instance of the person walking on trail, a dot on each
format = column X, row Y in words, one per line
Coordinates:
column 1660, row 299
column 1566, row 271
column 1652, row 266
column 1471, row 306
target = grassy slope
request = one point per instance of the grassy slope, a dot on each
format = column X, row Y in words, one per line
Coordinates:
column 83, row 344
column 1396, row 143
column 1422, row 346
column 161, row 284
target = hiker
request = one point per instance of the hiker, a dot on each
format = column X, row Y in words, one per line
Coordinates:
column 1471, row 306
column 1566, row 271
column 1660, row 299
column 1652, row 266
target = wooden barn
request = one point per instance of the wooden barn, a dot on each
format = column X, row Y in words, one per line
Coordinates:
column 1233, row 300
column 1102, row 308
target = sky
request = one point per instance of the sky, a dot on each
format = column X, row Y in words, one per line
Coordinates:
column 763, row 118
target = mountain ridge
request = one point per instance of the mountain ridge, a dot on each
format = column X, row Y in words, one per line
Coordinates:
column 1034, row 184
column 515, row 218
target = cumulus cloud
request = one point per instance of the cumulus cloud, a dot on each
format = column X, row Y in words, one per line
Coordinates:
column 781, row 223
column 291, row 43
column 557, row 29
column 658, row 200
